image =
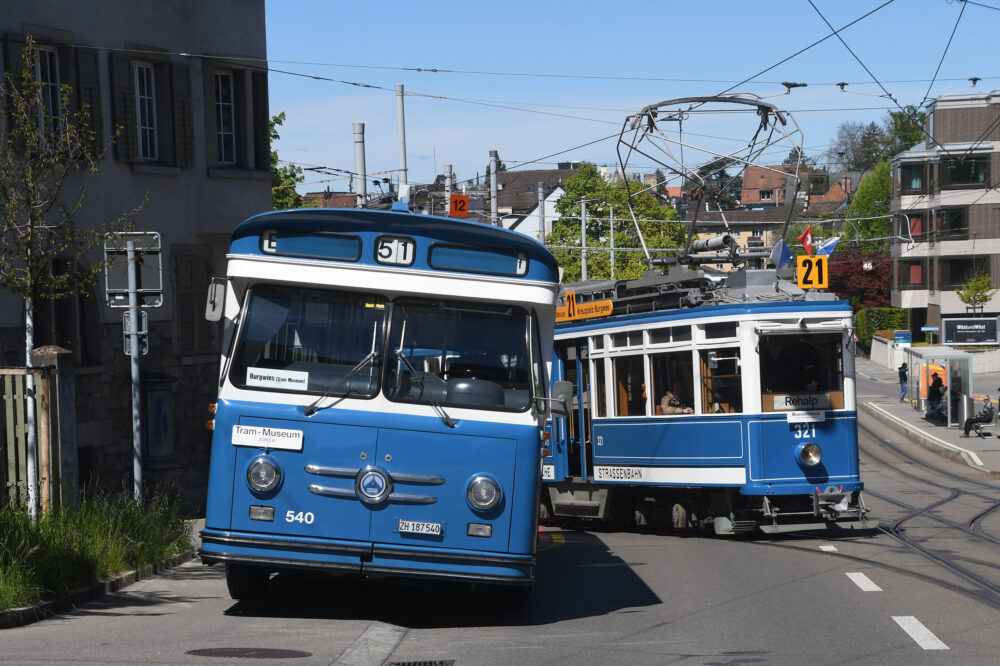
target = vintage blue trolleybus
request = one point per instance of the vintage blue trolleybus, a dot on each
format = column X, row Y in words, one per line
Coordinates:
column 381, row 398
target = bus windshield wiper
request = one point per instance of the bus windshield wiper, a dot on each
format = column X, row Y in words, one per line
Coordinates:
column 448, row 421
column 371, row 356
column 312, row 409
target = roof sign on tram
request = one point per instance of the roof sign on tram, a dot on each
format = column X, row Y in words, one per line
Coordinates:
column 588, row 310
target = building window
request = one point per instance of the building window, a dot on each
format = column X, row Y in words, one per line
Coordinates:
column 911, row 179
column 916, row 223
column 956, row 273
column 952, row 225
column 194, row 332
column 912, row 275
column 765, row 195
column 225, row 118
column 50, row 111
column 969, row 172
column 143, row 83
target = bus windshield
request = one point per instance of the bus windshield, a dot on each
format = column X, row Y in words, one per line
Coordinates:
column 459, row 354
column 303, row 339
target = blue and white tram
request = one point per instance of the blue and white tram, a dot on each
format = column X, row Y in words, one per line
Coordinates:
column 730, row 406
column 380, row 402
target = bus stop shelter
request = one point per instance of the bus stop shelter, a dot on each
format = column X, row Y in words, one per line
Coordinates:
column 955, row 370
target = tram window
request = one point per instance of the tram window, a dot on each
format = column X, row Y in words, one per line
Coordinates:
column 630, row 389
column 597, row 342
column 660, row 336
column 721, row 381
column 671, row 372
column 796, row 364
column 600, row 386
column 626, row 339
column 724, row 330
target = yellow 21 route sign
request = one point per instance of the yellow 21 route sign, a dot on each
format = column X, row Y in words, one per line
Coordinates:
column 813, row 272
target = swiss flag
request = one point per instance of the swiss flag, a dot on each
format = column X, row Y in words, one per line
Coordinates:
column 806, row 238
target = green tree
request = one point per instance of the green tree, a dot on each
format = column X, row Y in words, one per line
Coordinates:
column 715, row 185
column 977, row 291
column 857, row 146
column 904, row 129
column 48, row 156
column 867, row 217
column 285, row 177
column 656, row 221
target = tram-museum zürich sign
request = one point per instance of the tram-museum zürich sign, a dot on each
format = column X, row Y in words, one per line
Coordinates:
column 970, row 331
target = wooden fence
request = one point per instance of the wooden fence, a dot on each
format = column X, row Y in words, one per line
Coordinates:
column 14, row 443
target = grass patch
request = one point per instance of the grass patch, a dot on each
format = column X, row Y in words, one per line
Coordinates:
column 106, row 535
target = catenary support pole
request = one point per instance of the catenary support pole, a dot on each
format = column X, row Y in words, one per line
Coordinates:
column 612, row 242
column 447, row 185
column 494, row 161
column 583, row 239
column 541, row 212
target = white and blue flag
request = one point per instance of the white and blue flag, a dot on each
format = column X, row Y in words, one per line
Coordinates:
column 781, row 255
column 826, row 247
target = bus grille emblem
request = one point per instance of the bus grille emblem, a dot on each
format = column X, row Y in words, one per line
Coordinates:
column 372, row 485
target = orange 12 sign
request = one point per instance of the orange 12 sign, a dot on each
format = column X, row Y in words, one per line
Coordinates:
column 813, row 272
column 459, row 206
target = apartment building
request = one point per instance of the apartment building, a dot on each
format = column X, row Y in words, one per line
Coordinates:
column 946, row 209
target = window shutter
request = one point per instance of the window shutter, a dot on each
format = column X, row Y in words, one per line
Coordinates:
column 183, row 116
column 123, row 106
column 88, row 89
column 13, row 54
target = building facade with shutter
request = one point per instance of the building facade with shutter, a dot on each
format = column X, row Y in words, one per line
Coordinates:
column 177, row 90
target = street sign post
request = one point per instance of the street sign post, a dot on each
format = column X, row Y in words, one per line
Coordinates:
column 134, row 278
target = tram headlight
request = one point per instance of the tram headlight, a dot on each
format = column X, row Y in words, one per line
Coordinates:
column 264, row 475
column 810, row 454
column 483, row 493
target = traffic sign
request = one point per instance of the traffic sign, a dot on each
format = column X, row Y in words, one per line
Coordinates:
column 459, row 206
column 813, row 272
column 148, row 275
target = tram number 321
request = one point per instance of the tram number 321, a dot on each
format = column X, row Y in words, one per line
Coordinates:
column 813, row 272
column 804, row 430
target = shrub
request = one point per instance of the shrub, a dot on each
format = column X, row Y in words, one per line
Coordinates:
column 876, row 319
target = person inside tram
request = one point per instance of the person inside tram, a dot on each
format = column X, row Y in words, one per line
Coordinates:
column 676, row 400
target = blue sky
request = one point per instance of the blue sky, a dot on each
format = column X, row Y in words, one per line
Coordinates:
column 539, row 78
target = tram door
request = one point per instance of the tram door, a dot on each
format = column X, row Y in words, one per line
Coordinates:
column 574, row 355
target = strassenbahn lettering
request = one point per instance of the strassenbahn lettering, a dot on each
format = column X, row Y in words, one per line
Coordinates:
column 618, row 474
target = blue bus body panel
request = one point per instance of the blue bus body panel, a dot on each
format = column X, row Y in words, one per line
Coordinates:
column 342, row 528
column 370, row 224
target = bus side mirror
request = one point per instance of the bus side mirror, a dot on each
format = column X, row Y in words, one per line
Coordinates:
column 216, row 299
column 562, row 396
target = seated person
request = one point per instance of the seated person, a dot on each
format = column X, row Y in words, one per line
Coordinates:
column 985, row 415
column 672, row 401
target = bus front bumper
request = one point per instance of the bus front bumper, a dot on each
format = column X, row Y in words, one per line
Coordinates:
column 372, row 560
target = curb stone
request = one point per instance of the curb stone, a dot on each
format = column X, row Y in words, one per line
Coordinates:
column 18, row 617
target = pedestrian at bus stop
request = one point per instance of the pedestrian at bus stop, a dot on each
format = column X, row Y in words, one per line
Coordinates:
column 985, row 415
column 902, row 382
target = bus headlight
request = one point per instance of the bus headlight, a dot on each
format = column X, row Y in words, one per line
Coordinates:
column 263, row 475
column 810, row 454
column 483, row 493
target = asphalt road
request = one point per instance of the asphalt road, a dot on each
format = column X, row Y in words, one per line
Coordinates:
column 610, row 597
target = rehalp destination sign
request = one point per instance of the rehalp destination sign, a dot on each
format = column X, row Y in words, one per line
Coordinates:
column 801, row 401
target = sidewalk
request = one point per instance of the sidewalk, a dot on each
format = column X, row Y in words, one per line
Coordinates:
column 980, row 453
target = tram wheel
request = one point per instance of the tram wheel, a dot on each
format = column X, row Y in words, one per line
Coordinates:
column 246, row 581
column 679, row 516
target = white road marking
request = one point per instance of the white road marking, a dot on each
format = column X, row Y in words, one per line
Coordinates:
column 919, row 633
column 373, row 647
column 828, row 549
column 864, row 582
